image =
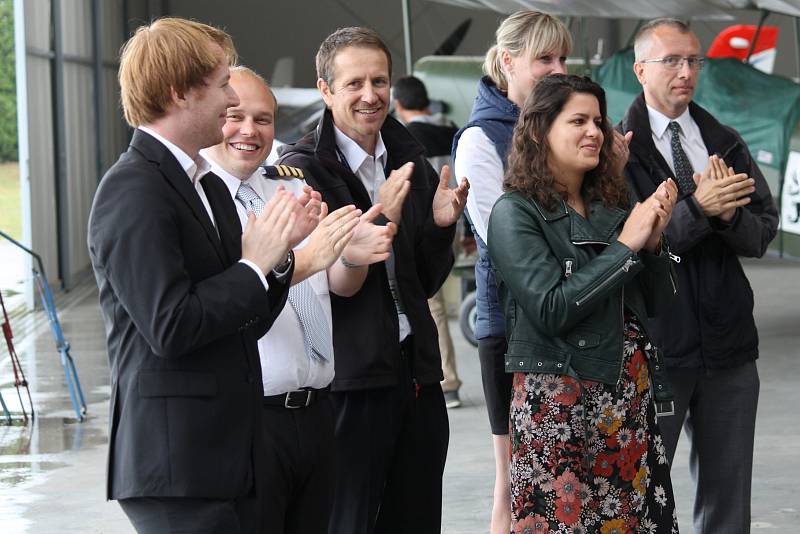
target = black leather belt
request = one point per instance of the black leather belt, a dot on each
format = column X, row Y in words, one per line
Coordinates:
column 301, row 398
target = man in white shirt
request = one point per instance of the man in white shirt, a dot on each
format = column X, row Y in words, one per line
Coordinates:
column 297, row 364
column 183, row 299
column 724, row 210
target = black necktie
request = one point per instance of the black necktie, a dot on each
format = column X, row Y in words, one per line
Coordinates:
column 683, row 168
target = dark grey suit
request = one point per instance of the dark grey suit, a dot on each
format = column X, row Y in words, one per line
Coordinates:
column 182, row 317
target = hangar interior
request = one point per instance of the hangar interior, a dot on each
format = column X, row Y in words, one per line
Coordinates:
column 70, row 124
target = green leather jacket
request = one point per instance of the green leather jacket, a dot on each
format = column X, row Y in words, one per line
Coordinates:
column 563, row 282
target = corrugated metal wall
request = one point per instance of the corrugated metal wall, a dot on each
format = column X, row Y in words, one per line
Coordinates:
column 41, row 166
column 75, row 125
column 81, row 136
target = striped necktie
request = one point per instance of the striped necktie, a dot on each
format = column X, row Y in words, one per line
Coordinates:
column 683, row 168
column 303, row 299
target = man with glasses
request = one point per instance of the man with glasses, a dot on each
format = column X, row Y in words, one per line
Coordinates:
column 724, row 210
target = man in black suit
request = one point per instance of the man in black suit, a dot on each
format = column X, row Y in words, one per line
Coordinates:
column 724, row 210
column 183, row 292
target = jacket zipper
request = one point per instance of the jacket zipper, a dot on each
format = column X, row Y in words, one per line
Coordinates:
column 672, row 281
column 624, row 268
column 622, row 329
column 590, row 243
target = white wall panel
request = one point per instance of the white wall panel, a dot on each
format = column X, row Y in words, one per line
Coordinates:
column 81, row 160
column 76, row 25
column 44, row 238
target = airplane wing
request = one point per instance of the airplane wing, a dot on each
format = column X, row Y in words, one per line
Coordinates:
column 785, row 7
column 694, row 9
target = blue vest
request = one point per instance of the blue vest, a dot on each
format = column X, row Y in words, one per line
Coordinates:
column 496, row 115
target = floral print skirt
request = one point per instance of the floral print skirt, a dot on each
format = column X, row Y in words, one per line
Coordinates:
column 590, row 459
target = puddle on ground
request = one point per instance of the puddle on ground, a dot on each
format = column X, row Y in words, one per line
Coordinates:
column 15, row 473
column 50, row 435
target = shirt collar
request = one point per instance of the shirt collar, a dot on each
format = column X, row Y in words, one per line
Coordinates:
column 195, row 170
column 659, row 122
column 231, row 182
column 354, row 154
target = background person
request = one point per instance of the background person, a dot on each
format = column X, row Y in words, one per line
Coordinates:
column 182, row 311
column 577, row 274
column 391, row 421
column 724, row 210
column 530, row 45
column 297, row 364
column 435, row 133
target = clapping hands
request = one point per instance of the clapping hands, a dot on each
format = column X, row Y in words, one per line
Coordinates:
column 648, row 219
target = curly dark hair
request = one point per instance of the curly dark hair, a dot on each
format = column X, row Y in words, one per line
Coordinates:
column 528, row 171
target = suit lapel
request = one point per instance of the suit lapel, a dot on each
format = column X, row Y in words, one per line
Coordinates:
column 643, row 147
column 157, row 153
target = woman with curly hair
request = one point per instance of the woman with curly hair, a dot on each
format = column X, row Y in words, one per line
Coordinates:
column 578, row 270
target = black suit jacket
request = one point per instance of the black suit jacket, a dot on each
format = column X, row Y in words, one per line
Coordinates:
column 182, row 317
column 710, row 322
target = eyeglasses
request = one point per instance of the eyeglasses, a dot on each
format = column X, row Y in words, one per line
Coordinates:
column 676, row 62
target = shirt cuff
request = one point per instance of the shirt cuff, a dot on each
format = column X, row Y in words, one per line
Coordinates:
column 258, row 272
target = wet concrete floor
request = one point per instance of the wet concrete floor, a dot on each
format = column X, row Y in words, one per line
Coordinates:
column 52, row 471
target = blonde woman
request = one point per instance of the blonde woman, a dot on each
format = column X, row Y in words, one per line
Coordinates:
column 530, row 45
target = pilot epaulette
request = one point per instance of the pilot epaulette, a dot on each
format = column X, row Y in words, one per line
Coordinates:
column 282, row 171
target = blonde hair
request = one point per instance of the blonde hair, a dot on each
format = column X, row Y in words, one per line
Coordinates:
column 525, row 32
column 169, row 53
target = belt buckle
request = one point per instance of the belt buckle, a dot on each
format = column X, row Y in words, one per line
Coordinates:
column 303, row 404
column 665, row 408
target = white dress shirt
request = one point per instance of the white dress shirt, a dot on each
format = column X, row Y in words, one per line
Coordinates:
column 370, row 170
column 285, row 365
column 195, row 170
column 477, row 159
column 691, row 139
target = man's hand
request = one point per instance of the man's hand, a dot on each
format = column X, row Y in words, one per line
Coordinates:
column 448, row 204
column 371, row 243
column 265, row 240
column 720, row 190
column 665, row 196
column 326, row 242
column 307, row 215
column 620, row 152
column 392, row 193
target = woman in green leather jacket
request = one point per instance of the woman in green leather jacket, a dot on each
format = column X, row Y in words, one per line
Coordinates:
column 577, row 270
